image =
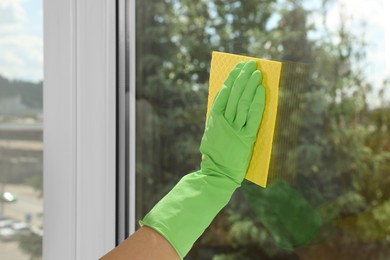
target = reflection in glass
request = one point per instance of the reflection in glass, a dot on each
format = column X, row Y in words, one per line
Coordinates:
column 21, row 147
column 329, row 196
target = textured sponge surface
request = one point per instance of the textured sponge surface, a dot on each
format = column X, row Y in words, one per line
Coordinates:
column 221, row 65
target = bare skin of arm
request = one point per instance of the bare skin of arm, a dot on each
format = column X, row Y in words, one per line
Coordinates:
column 144, row 244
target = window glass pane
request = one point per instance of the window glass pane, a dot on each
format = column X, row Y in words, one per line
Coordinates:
column 333, row 199
column 21, row 74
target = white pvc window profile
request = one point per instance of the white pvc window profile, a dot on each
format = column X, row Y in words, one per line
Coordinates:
column 126, row 116
column 79, row 128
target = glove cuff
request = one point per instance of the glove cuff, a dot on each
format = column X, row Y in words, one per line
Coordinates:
column 188, row 209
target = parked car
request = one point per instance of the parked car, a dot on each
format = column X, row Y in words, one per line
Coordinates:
column 7, row 234
column 6, row 221
column 9, row 228
column 21, row 228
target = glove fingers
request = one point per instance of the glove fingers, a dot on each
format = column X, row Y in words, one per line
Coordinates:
column 247, row 99
column 237, row 89
column 222, row 97
column 256, row 110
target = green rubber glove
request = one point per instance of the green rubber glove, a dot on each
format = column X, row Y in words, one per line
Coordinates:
column 231, row 130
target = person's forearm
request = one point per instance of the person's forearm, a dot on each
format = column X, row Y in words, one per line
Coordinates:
column 145, row 244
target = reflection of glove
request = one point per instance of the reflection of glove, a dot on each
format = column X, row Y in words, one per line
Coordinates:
column 286, row 214
column 186, row 211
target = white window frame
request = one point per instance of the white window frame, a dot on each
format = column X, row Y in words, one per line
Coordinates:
column 126, row 118
column 79, row 128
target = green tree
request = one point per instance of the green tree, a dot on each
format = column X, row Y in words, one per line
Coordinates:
column 31, row 244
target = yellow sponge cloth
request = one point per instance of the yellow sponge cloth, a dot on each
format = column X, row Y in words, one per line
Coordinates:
column 221, row 65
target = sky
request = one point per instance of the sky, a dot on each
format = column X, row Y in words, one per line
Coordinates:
column 21, row 39
column 21, row 35
column 375, row 15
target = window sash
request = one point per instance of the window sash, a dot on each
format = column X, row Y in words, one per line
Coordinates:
column 126, row 184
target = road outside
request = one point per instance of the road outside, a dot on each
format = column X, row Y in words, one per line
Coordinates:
column 28, row 208
column 11, row 251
